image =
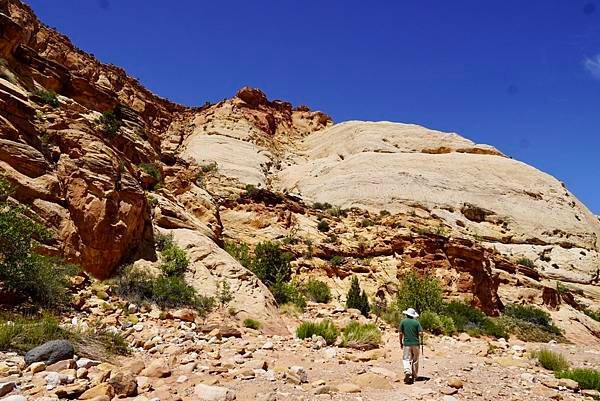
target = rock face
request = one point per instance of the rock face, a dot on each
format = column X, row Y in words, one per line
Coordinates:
column 373, row 199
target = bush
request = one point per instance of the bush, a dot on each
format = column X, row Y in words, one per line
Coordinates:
column 357, row 299
column 360, row 336
column 526, row 262
column 437, row 324
column 290, row 310
column 532, row 315
column 271, row 264
column 174, row 260
column 419, row 292
column 593, row 314
column 22, row 333
column 323, row 226
column 152, row 170
column 166, row 291
column 47, row 97
column 113, row 342
column 366, row 222
column 473, row 321
column 551, row 360
column 45, row 280
column 285, row 293
column 321, row 206
column 530, row 332
column 252, row 324
column 240, row 252
column 317, row 291
column 588, row 379
column 324, row 328
column 111, row 122
column 337, row 260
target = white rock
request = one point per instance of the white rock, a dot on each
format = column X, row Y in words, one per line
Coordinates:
column 87, row 363
column 300, row 372
column 268, row 345
column 205, row 392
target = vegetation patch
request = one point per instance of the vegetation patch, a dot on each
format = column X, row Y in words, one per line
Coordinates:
column 43, row 280
column 174, row 261
column 323, row 226
column 357, row 298
column 588, row 379
column 526, row 262
column 421, row 292
column 22, row 333
column 47, row 97
column 551, row 360
column 594, row 314
column 361, row 336
column 252, row 324
column 437, row 324
column 317, row 291
column 324, row 328
column 152, row 170
column 111, row 122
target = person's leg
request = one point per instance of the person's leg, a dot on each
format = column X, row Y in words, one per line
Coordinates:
column 416, row 353
column 407, row 363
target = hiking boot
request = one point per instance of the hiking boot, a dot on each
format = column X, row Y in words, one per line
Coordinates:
column 408, row 379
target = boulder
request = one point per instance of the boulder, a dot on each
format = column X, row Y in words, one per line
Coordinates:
column 101, row 390
column 204, row 392
column 50, row 352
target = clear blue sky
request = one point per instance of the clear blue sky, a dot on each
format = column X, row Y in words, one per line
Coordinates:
column 522, row 75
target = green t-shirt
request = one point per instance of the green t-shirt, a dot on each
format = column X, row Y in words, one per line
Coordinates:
column 411, row 329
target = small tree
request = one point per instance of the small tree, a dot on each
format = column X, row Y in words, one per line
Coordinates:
column 357, row 299
column 420, row 292
column 271, row 264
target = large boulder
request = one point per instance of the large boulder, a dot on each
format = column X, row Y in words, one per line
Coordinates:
column 50, row 352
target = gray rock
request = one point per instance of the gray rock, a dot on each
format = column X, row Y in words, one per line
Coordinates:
column 50, row 352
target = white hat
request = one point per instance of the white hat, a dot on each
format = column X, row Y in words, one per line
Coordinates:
column 411, row 312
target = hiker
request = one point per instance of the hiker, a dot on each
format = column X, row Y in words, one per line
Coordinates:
column 411, row 337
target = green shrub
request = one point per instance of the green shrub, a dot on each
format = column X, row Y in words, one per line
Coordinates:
column 337, row 211
column 22, row 333
column 210, row 168
column 224, row 294
column 324, row 328
column 47, row 97
column 530, row 332
column 551, row 360
column 366, row 222
column 323, row 226
column 588, row 379
column 288, row 292
column 474, row 321
column 317, row 291
column 337, row 260
column 240, row 252
column 357, row 299
column 321, row 206
column 111, row 122
column 419, row 292
column 166, row 291
column 526, row 262
column 152, row 170
column 271, row 263
column 358, row 335
column 593, row 314
column 290, row 310
column 174, row 260
column 113, row 342
column 437, row 324
column 531, row 314
column 43, row 279
column 384, row 213
column 252, row 324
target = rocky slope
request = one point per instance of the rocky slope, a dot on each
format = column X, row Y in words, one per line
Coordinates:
column 417, row 198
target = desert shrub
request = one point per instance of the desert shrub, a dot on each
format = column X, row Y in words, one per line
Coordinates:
column 588, row 379
column 290, row 310
column 111, row 122
column 240, row 252
column 422, row 292
column 47, row 97
column 437, row 324
column 174, row 260
column 271, row 263
column 337, row 211
column 113, row 342
column 210, row 168
column 321, row 206
column 152, row 170
column 166, row 291
column 359, row 335
column 224, row 294
column 474, row 321
column 357, row 299
column 530, row 332
column 22, row 333
column 288, row 293
column 531, row 314
column 526, row 262
column 323, row 226
column 252, row 324
column 551, row 360
column 593, row 314
column 317, row 291
column 324, row 328
column 43, row 279
column 366, row 222
column 337, row 260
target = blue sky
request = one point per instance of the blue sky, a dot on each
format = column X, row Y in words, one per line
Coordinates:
column 523, row 76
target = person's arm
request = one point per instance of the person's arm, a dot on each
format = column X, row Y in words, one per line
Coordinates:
column 401, row 336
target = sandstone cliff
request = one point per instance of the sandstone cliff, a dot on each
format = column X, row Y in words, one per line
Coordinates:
column 402, row 196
